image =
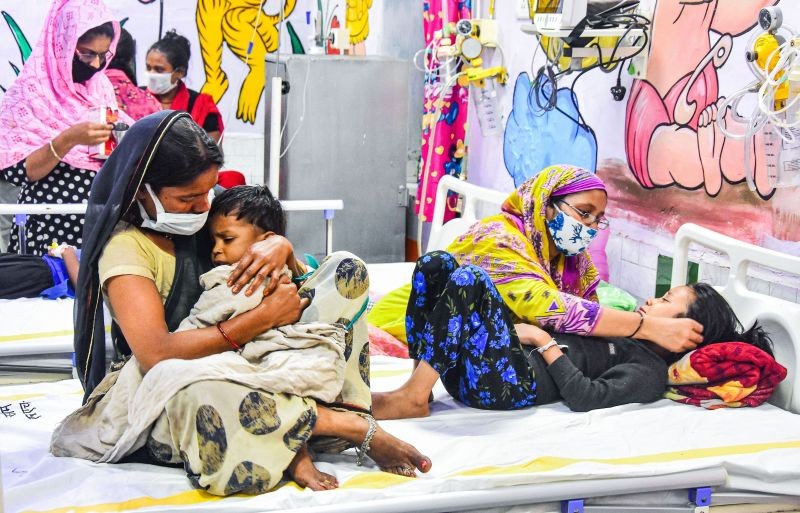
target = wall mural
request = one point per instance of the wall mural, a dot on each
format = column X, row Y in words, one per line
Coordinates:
column 358, row 23
column 224, row 63
column 21, row 42
column 537, row 137
column 659, row 151
column 671, row 131
column 233, row 23
column 679, row 167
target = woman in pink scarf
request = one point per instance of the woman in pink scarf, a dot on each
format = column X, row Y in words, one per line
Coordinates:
column 47, row 117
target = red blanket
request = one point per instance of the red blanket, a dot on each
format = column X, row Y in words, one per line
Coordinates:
column 382, row 343
column 729, row 374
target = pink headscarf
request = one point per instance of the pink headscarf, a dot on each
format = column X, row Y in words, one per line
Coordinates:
column 44, row 101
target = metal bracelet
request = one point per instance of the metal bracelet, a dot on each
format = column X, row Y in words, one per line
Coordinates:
column 365, row 445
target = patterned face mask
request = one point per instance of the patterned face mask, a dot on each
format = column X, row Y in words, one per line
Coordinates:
column 570, row 236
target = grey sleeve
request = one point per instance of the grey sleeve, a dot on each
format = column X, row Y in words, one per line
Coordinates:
column 631, row 382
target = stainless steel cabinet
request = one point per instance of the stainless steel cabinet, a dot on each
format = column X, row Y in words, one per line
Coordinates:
column 346, row 124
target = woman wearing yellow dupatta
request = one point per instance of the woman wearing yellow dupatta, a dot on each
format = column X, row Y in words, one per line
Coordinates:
column 473, row 308
column 545, row 280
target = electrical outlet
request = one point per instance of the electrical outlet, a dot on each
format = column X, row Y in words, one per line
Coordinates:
column 521, row 9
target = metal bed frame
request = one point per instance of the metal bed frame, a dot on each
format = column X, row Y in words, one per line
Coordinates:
column 22, row 211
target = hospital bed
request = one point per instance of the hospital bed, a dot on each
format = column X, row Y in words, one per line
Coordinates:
column 659, row 457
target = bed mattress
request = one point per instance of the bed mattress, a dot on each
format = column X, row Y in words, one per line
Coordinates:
column 527, row 456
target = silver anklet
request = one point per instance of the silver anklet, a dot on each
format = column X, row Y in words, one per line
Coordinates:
column 364, row 449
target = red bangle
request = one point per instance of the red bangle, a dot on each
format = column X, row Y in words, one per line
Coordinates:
column 226, row 337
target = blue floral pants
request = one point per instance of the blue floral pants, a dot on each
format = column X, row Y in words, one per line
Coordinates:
column 458, row 323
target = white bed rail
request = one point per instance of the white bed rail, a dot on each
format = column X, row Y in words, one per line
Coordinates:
column 326, row 206
column 442, row 234
column 779, row 317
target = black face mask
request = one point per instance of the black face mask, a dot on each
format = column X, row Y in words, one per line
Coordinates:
column 81, row 72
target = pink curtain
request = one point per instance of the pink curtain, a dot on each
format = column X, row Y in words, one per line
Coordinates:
column 448, row 142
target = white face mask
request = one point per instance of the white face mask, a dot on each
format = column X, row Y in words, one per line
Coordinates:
column 167, row 222
column 159, row 83
column 570, row 236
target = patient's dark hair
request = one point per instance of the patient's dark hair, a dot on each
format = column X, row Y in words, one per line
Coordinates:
column 720, row 323
column 253, row 203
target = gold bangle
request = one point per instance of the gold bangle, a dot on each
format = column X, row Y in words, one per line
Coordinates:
column 53, row 150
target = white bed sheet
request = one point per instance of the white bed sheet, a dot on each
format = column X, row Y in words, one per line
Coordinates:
column 38, row 331
column 35, row 326
column 758, row 448
column 38, row 326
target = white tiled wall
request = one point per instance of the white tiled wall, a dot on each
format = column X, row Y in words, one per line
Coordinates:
column 633, row 259
column 244, row 152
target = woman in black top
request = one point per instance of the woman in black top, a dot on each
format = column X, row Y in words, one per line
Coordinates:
column 457, row 328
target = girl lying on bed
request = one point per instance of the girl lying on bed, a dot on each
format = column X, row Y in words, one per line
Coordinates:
column 144, row 251
column 460, row 330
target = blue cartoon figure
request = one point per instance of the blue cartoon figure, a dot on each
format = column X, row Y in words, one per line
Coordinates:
column 537, row 136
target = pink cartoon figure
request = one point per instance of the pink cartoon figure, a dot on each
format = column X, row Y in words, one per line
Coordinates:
column 671, row 131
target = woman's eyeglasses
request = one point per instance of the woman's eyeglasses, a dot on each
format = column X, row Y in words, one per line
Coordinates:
column 88, row 56
column 587, row 218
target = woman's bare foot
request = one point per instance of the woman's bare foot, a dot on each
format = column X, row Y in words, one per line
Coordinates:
column 304, row 473
column 399, row 404
column 390, row 453
column 396, row 456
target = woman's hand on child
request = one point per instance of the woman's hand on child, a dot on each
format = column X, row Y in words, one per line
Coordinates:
column 264, row 259
column 284, row 305
column 674, row 335
column 531, row 335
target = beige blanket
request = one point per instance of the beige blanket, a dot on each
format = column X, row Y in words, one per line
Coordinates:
column 304, row 359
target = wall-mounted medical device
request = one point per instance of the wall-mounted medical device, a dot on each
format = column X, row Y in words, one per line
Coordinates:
column 773, row 56
column 467, row 53
column 613, row 36
column 607, row 34
column 566, row 14
column 474, row 44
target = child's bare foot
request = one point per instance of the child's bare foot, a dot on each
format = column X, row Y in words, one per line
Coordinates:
column 304, row 473
column 398, row 405
column 396, row 456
